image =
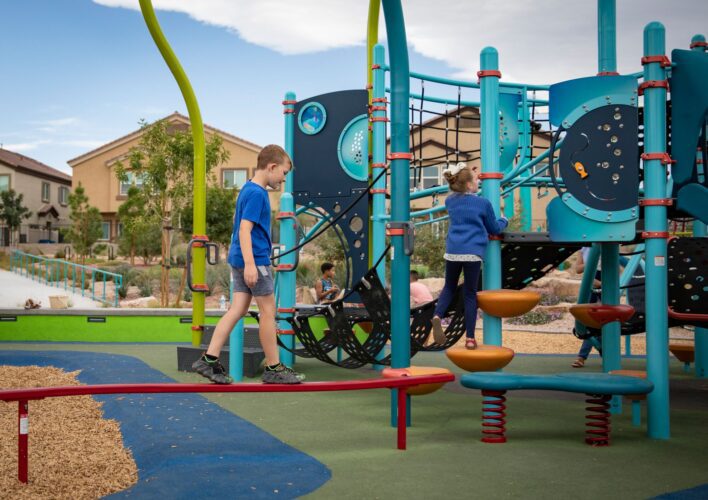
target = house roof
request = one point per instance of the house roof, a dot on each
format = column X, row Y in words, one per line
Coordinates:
column 173, row 118
column 31, row 166
column 48, row 209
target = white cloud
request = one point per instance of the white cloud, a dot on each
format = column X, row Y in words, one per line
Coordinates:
column 20, row 147
column 538, row 42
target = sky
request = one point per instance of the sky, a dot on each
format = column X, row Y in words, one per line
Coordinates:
column 77, row 74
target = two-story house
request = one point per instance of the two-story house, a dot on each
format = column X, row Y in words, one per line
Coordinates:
column 95, row 170
column 45, row 192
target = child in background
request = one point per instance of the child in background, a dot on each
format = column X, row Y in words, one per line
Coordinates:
column 472, row 219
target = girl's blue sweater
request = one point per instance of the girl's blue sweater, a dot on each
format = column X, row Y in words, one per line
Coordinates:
column 472, row 219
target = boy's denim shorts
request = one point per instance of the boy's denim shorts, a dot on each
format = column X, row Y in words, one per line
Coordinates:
column 264, row 285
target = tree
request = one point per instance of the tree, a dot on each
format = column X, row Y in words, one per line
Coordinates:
column 219, row 215
column 12, row 211
column 430, row 247
column 164, row 162
column 86, row 221
column 131, row 215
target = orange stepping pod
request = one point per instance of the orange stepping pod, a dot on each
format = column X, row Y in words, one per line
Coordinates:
column 685, row 353
column 632, row 373
column 412, row 371
column 486, row 358
column 597, row 315
column 507, row 303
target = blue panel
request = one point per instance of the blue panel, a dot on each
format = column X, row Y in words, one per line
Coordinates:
column 594, row 91
column 566, row 225
column 689, row 105
column 353, row 148
column 508, row 129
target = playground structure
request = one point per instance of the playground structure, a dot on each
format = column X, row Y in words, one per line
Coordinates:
column 599, row 127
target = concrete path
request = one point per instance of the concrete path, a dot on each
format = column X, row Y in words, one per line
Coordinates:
column 16, row 289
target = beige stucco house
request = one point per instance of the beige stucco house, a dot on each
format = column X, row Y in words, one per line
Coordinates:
column 45, row 192
column 95, row 170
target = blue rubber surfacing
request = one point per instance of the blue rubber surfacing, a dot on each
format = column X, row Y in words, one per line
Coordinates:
column 184, row 445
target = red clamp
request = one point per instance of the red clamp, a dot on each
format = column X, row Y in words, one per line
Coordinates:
column 286, row 332
column 395, row 231
column 379, row 165
column 664, row 157
column 698, row 44
column 197, row 328
column 653, row 84
column 379, row 99
column 608, row 73
column 655, row 234
column 286, row 102
column 200, row 287
column 378, row 119
column 491, row 175
column 656, row 202
column 369, row 87
column 488, row 72
column 378, row 191
column 285, row 215
column 284, row 267
column 286, row 309
column 199, row 240
column 289, row 111
column 399, row 156
column 375, row 66
column 662, row 59
column 496, row 237
column 377, row 108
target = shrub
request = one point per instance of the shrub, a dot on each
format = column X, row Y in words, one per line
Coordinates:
column 60, row 254
column 536, row 317
column 144, row 283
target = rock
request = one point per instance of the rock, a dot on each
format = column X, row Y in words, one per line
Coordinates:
column 141, row 302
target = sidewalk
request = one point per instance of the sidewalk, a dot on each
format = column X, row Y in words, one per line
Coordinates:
column 16, row 289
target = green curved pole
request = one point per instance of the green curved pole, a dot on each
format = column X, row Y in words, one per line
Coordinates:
column 199, row 197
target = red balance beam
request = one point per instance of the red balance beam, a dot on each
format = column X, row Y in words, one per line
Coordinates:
column 23, row 396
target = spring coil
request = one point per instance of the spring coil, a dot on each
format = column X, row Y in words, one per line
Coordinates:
column 597, row 426
column 493, row 417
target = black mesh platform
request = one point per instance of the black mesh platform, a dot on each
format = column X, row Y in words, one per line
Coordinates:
column 687, row 280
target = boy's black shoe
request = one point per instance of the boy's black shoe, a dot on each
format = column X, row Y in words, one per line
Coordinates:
column 281, row 374
column 213, row 370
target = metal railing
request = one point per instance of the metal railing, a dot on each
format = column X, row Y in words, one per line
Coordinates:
column 60, row 272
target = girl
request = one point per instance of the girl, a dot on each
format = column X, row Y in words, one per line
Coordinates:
column 472, row 219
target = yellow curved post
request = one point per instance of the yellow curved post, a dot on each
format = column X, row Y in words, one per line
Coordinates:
column 199, row 197
column 372, row 38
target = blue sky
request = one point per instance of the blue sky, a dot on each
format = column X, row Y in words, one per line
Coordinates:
column 80, row 73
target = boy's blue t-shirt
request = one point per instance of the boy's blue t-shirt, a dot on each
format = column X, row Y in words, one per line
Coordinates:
column 253, row 205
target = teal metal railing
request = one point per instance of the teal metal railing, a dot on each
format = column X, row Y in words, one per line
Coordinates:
column 59, row 272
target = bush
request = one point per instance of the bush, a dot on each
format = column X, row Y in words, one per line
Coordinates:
column 60, row 254
column 536, row 317
column 123, row 290
column 144, row 282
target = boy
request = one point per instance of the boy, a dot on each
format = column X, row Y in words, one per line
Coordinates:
column 249, row 257
column 325, row 287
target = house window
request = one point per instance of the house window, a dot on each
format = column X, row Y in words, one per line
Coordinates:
column 119, row 230
column 63, row 195
column 234, row 178
column 4, row 183
column 429, row 177
column 131, row 180
column 45, row 192
column 106, row 227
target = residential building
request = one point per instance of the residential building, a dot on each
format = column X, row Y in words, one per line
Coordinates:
column 45, row 192
column 95, row 170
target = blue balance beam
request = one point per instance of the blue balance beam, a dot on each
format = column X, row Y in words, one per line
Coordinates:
column 600, row 387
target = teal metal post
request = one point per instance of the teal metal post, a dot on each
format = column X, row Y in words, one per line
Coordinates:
column 236, row 352
column 586, row 285
column 524, row 157
column 606, row 37
column 699, row 230
column 400, row 193
column 658, row 424
column 400, row 164
column 378, row 164
column 491, row 176
column 286, row 306
column 611, row 345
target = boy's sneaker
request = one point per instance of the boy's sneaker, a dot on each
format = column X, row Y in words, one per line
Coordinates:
column 281, row 374
column 438, row 333
column 213, row 370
